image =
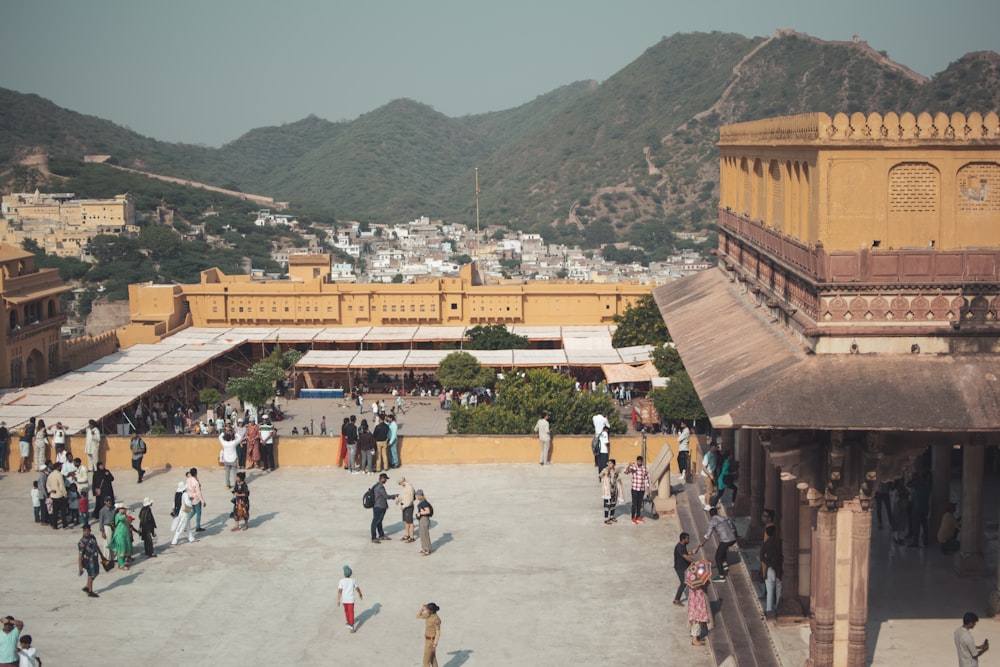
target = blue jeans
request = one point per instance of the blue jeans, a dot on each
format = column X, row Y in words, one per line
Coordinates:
column 378, row 513
column 352, row 452
column 368, row 460
column 773, row 587
column 393, row 454
column 197, row 516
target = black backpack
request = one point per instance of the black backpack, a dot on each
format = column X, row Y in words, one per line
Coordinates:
column 368, row 500
column 595, row 445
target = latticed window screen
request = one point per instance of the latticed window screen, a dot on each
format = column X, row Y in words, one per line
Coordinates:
column 913, row 188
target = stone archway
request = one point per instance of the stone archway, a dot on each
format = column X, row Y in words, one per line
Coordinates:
column 36, row 370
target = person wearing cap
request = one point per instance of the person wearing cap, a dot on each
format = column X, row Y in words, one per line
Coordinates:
column 432, row 633
column 147, row 527
column 424, row 513
column 345, row 596
column 379, row 509
column 267, row 436
column 405, row 501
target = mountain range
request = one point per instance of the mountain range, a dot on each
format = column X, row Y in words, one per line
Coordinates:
column 631, row 159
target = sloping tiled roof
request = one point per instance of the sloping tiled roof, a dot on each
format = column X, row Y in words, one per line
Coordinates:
column 749, row 373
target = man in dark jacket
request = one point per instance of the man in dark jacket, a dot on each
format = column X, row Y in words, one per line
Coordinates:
column 381, row 434
column 382, row 498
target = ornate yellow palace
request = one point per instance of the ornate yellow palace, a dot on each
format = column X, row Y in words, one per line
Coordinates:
column 310, row 299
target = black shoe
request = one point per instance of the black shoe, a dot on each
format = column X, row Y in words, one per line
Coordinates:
column 376, row 542
column 199, row 530
column 91, row 594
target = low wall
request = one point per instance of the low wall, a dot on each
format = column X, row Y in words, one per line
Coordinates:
column 185, row 451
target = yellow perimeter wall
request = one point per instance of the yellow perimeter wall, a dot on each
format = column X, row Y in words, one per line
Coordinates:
column 303, row 451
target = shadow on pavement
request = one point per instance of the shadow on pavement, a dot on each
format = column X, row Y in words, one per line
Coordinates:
column 363, row 617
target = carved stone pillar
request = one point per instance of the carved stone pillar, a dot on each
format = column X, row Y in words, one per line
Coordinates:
column 821, row 609
column 744, row 454
column 940, row 485
column 755, row 483
column 861, row 537
column 969, row 559
column 805, row 552
column 789, row 519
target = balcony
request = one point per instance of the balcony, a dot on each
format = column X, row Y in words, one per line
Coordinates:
column 29, row 330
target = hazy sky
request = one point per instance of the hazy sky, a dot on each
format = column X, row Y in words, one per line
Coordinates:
column 207, row 71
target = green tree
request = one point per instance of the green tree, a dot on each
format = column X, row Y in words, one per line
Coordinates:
column 667, row 360
column 160, row 240
column 522, row 397
column 461, row 260
column 209, row 396
column 640, row 324
column 257, row 386
column 462, row 371
column 494, row 337
column 398, row 278
column 678, row 400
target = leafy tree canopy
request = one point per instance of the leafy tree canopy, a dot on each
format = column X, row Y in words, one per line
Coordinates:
column 462, row 371
column 667, row 360
column 640, row 324
column 494, row 337
column 679, row 399
column 522, row 397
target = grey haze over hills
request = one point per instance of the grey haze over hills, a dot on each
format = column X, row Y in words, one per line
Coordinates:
column 629, row 159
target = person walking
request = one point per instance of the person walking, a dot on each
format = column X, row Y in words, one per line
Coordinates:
column 92, row 444
column 684, row 453
column 147, row 527
column 725, row 530
column 611, row 490
column 432, row 633
column 682, row 561
column 89, row 559
column 138, row 447
column 230, row 457
column 182, row 522
column 424, row 513
column 771, row 561
column 698, row 615
column 346, row 590
column 241, row 502
column 197, row 500
column 544, row 438
column 406, row 501
column 380, row 507
column 965, row 643
column 640, row 484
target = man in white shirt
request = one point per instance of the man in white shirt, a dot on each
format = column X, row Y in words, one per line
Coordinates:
column 267, row 444
column 968, row 652
column 684, row 452
column 600, row 421
column 544, row 438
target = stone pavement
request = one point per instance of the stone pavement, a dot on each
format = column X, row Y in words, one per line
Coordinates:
column 524, row 570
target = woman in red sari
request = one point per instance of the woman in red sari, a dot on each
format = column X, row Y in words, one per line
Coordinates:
column 253, row 444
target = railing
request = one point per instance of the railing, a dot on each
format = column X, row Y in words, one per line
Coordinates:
column 35, row 327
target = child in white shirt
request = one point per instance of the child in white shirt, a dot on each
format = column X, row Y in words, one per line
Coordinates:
column 36, row 501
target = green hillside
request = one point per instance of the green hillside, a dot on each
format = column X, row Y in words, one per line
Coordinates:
column 632, row 159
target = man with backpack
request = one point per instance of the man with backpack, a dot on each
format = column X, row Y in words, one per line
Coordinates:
column 379, row 504
column 725, row 529
column 138, row 447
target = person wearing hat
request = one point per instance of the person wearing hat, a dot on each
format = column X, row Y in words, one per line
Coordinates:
column 147, row 527
column 379, row 508
column 424, row 513
column 345, row 596
column 405, row 501
column 432, row 633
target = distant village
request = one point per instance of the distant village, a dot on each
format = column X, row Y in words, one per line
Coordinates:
column 423, row 248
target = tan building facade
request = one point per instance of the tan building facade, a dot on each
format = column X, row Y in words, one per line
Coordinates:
column 221, row 300
column 32, row 349
column 60, row 224
column 859, row 260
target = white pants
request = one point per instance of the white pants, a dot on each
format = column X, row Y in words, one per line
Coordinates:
column 773, row 587
column 183, row 524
